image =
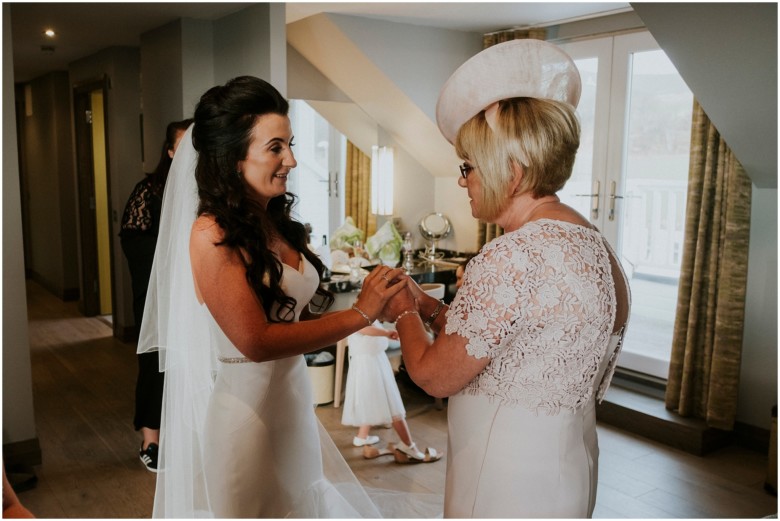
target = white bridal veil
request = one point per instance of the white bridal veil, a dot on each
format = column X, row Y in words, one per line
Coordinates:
column 177, row 325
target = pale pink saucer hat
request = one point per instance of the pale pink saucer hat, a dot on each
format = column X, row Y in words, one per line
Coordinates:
column 517, row 68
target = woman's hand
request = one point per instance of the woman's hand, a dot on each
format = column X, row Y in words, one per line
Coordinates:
column 400, row 302
column 417, row 292
column 379, row 287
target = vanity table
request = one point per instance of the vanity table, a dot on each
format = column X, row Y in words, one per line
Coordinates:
column 423, row 272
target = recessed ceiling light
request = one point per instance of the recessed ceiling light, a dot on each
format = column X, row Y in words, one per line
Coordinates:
column 50, row 33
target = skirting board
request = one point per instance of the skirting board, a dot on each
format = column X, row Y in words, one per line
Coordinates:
column 26, row 452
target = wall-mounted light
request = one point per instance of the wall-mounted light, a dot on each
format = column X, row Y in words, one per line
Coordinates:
column 381, row 180
column 49, row 33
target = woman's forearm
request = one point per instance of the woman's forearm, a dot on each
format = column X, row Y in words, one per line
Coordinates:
column 432, row 313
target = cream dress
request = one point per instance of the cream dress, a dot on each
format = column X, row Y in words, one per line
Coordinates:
column 540, row 303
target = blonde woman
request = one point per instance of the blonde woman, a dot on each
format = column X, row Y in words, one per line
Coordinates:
column 531, row 338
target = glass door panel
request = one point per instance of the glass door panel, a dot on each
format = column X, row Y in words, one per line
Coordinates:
column 652, row 213
column 630, row 178
column 315, row 180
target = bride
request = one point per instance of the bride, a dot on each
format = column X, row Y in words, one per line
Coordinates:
column 229, row 309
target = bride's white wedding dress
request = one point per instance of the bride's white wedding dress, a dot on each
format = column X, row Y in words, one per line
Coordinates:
column 263, row 455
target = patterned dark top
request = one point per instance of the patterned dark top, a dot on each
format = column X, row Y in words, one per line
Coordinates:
column 142, row 211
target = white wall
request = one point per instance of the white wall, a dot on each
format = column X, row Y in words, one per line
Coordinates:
column 413, row 188
column 758, row 376
column 452, row 201
column 422, row 58
column 727, row 51
column 305, row 82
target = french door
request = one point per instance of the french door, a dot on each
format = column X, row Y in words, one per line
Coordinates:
column 318, row 178
column 630, row 178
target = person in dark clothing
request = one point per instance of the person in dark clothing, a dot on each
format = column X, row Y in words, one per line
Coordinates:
column 138, row 236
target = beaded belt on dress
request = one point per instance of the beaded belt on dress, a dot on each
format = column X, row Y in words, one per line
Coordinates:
column 233, row 360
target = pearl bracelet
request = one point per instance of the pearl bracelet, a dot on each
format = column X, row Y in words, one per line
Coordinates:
column 407, row 312
column 362, row 314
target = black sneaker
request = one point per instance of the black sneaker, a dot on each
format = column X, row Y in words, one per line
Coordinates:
column 149, row 456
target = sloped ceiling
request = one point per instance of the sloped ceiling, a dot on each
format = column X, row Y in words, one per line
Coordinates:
column 727, row 54
column 379, row 87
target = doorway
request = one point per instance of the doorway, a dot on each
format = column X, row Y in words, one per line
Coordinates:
column 90, row 101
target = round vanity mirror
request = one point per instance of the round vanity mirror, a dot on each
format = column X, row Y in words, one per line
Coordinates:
column 434, row 227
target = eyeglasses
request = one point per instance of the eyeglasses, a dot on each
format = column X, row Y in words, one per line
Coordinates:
column 465, row 170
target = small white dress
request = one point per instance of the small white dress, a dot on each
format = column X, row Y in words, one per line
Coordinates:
column 371, row 396
column 540, row 302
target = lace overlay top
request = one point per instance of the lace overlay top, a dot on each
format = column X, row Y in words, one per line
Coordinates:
column 540, row 302
column 142, row 211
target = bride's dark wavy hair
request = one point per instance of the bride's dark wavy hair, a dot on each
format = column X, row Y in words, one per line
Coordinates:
column 224, row 119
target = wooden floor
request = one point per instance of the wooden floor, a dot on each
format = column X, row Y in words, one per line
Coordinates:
column 83, row 384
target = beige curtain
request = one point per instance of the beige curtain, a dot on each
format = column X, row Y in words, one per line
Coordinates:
column 486, row 232
column 357, row 189
column 707, row 342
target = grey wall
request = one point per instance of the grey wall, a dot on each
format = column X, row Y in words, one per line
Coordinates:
column 18, row 412
column 177, row 67
column 197, row 42
column 161, row 80
column 245, row 41
column 49, row 176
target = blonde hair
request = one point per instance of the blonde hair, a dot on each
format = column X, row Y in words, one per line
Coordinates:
column 540, row 135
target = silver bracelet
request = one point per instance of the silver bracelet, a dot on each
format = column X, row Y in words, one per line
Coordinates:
column 407, row 312
column 362, row 314
column 431, row 319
